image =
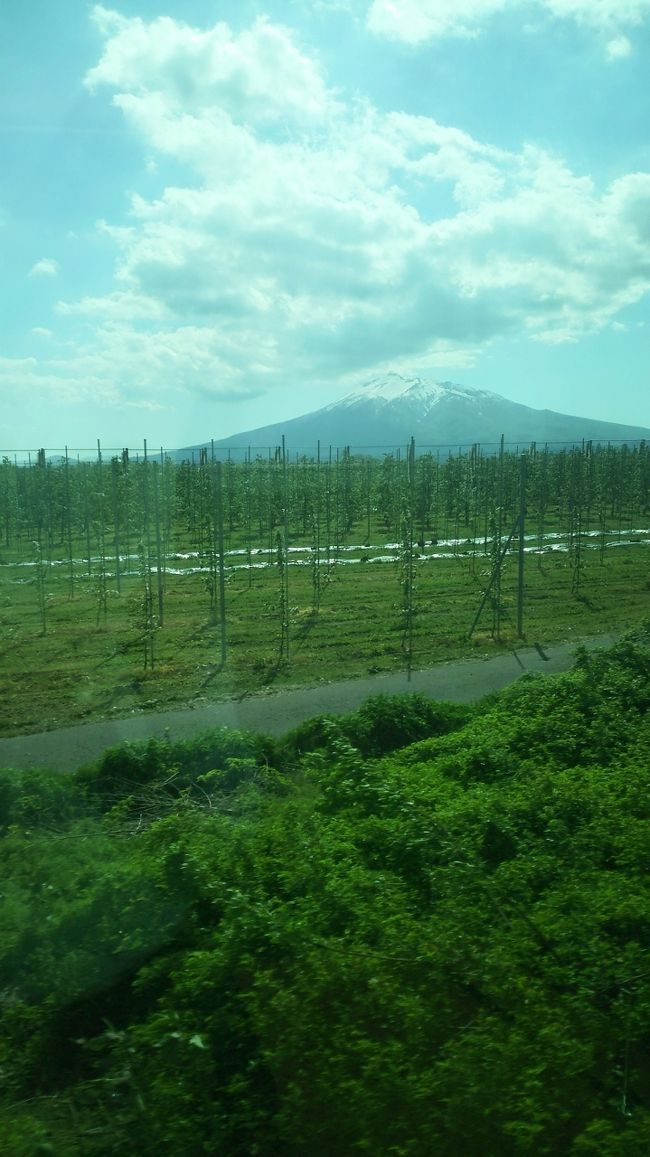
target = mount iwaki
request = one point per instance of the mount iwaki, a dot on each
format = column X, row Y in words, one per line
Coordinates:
column 389, row 410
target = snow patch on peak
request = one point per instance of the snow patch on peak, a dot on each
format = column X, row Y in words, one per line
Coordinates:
column 392, row 387
column 387, row 387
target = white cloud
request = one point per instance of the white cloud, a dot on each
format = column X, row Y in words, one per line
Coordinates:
column 46, row 267
column 259, row 76
column 121, row 365
column 313, row 247
column 599, row 13
column 416, row 21
column 618, row 48
column 114, row 307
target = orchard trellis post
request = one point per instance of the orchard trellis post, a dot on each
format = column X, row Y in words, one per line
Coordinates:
column 316, row 533
column 407, row 558
column 521, row 557
column 285, row 534
column 86, row 509
column 159, row 551
column 102, row 578
column 221, row 570
column 282, row 545
column 148, row 616
column 500, row 553
column 117, row 519
column 68, row 525
column 41, row 570
column 248, row 495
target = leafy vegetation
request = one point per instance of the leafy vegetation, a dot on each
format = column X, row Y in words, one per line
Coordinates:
column 416, row 929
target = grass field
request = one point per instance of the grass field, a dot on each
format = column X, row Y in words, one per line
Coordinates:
column 87, row 666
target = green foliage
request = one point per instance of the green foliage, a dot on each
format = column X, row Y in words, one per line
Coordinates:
column 338, row 943
column 34, row 798
column 382, row 724
column 170, row 769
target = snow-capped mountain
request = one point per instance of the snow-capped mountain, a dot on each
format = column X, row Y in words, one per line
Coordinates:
column 417, row 392
column 388, row 410
column 412, row 399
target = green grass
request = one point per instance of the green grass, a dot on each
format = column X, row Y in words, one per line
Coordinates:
column 80, row 670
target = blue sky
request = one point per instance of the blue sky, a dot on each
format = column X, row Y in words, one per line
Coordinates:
column 215, row 215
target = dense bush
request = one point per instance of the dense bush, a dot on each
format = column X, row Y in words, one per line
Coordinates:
column 384, row 723
column 227, row 756
column 35, row 798
column 437, row 948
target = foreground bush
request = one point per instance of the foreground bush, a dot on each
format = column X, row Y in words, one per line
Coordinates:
column 445, row 949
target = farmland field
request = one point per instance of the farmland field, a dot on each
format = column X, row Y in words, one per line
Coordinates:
column 138, row 585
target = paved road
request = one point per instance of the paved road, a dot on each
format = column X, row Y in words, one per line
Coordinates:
column 461, row 680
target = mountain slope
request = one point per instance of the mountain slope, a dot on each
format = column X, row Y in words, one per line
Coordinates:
column 391, row 409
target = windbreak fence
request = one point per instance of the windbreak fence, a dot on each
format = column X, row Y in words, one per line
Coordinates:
column 242, row 452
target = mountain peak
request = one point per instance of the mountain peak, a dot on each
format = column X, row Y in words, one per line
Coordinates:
column 411, row 390
column 391, row 408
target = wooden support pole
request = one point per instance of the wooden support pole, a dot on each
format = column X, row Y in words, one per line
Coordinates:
column 521, row 554
column 495, row 571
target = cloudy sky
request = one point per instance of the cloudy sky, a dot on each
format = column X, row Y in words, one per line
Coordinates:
column 218, row 214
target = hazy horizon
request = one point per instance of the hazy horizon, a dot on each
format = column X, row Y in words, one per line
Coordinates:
column 91, row 450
